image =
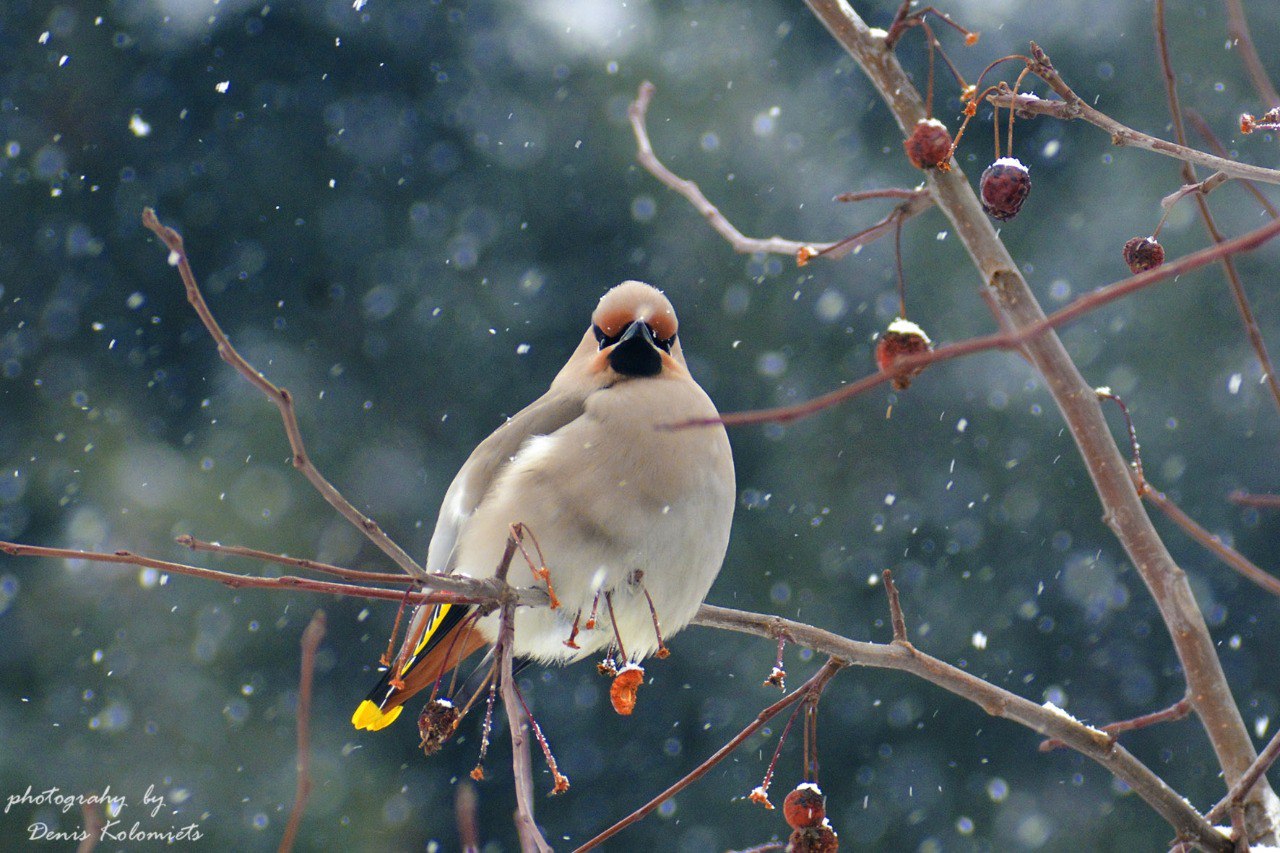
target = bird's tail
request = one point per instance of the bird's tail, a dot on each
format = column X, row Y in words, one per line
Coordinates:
column 450, row 638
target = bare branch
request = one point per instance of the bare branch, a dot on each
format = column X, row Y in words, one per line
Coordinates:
column 1238, row 28
column 530, row 837
column 1127, row 137
column 1246, row 499
column 895, row 609
column 638, row 112
column 1122, row 509
column 1177, row 711
column 188, row 541
column 1204, row 187
column 465, row 805
column 1216, row 146
column 996, row 701
column 1213, row 544
column 1243, row 307
column 459, row 589
column 280, row 397
column 993, row 699
column 311, row 638
column 1013, row 339
column 94, row 821
column 1241, row 788
column 816, row 683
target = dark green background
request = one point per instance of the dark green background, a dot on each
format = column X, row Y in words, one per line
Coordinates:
column 387, row 203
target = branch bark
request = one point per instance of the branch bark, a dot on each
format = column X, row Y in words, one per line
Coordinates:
column 996, row 701
column 1122, row 508
column 280, row 398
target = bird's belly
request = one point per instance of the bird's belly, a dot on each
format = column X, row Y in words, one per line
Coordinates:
column 600, row 571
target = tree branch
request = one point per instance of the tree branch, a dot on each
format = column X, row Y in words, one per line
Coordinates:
column 280, row 397
column 815, row 684
column 996, row 701
column 1073, row 107
column 1122, row 509
column 311, row 638
column 916, row 202
column 530, row 836
column 1012, row 339
column 1238, row 29
column 458, row 589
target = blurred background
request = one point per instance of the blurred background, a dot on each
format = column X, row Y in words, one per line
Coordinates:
column 404, row 211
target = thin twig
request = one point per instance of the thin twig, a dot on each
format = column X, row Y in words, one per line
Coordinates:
column 740, row 242
column 1247, row 499
column 522, row 769
column 1211, row 543
column 461, row 590
column 1241, row 788
column 1224, row 552
column 996, row 701
column 816, row 682
column 1013, row 339
column 1126, row 137
column 1243, row 307
column 94, row 821
column 1215, row 145
column 1204, row 187
column 895, row 609
column 465, row 806
column 891, row 192
column 1177, row 711
column 638, row 112
column 311, row 638
column 1238, row 29
column 188, row 541
column 280, row 397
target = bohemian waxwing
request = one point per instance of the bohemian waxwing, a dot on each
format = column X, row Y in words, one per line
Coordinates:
column 620, row 506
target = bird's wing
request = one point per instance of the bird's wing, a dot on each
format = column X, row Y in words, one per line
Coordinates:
column 543, row 416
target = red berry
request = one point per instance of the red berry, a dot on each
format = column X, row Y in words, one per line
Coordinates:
column 902, row 338
column 929, row 145
column 1143, row 253
column 1004, row 185
column 819, row 839
column 805, row 807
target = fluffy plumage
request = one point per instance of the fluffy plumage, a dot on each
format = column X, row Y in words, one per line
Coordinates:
column 607, row 492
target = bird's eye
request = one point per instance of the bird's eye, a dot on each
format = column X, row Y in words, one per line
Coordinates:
column 605, row 340
column 666, row 343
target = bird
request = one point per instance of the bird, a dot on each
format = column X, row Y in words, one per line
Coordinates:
column 621, row 505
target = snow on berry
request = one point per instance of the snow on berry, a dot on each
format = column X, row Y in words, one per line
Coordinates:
column 1004, row 187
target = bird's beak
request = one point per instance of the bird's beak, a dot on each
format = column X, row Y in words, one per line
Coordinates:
column 636, row 353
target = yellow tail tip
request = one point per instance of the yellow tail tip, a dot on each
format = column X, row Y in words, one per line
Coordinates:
column 372, row 718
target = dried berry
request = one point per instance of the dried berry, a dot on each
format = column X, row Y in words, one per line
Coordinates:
column 929, row 145
column 760, row 797
column 819, row 839
column 805, row 807
column 902, row 338
column 1270, row 121
column 1004, row 186
column 436, row 724
column 622, row 693
column 1143, row 253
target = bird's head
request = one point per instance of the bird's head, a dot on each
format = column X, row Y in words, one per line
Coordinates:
column 632, row 334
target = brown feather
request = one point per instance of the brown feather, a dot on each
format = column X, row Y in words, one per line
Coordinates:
column 452, row 649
